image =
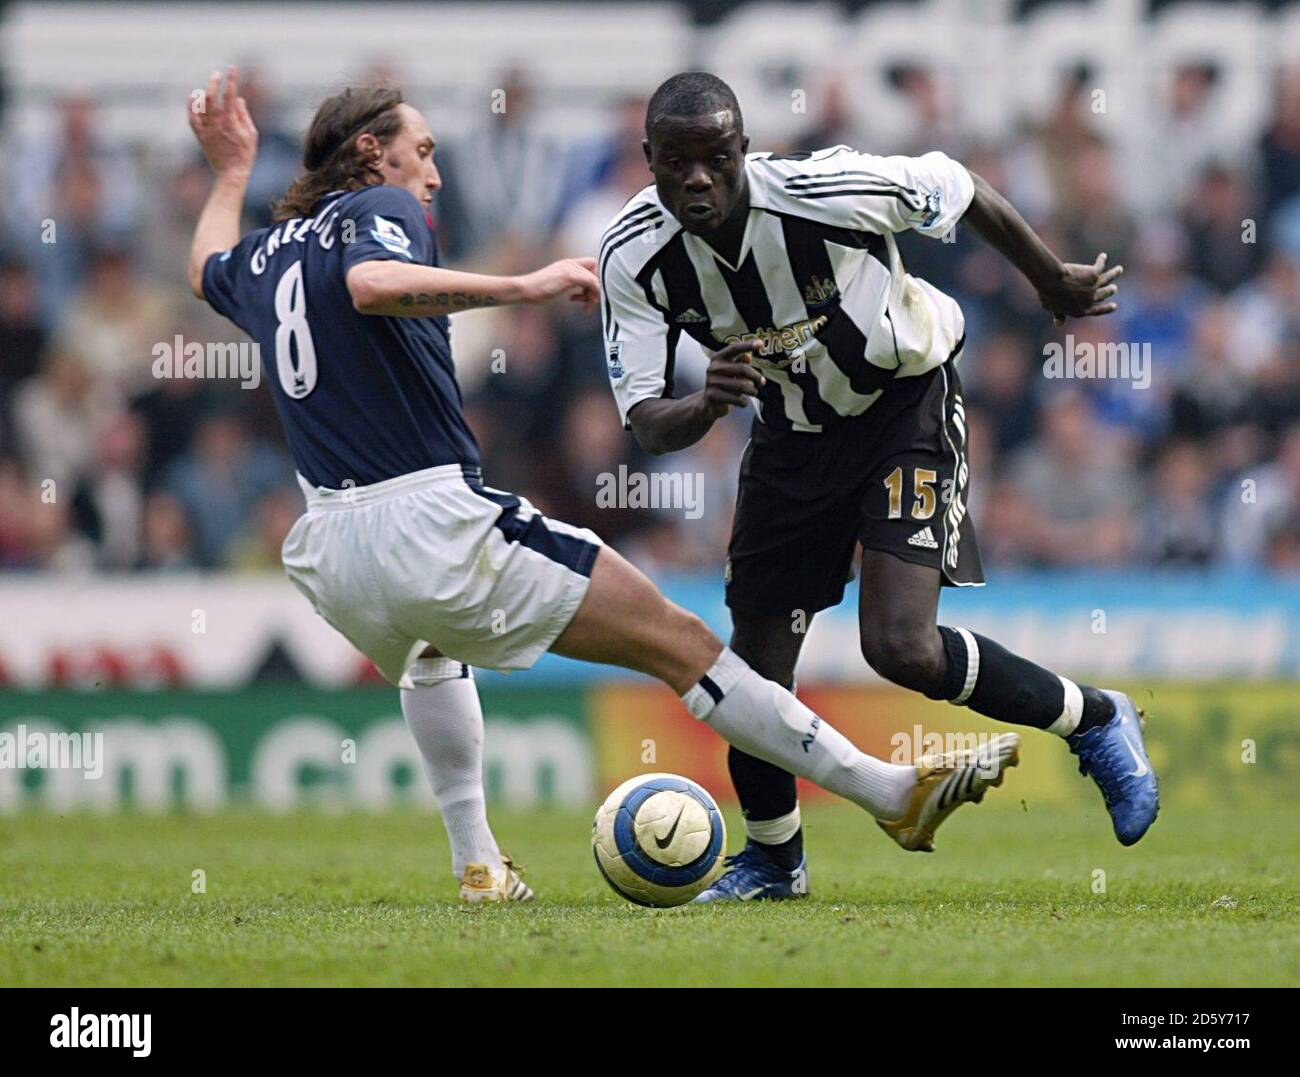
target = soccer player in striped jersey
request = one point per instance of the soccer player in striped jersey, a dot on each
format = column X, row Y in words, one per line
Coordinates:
column 786, row 270
column 403, row 549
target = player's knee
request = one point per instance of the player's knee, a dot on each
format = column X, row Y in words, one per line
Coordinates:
column 911, row 656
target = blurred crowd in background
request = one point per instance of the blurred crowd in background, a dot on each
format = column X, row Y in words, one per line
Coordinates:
column 104, row 467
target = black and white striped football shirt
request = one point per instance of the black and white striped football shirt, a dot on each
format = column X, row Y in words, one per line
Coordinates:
column 819, row 282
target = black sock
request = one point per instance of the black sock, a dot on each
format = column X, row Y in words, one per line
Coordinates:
column 767, row 792
column 1097, row 709
column 998, row 684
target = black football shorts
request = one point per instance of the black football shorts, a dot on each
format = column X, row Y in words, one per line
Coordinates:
column 894, row 479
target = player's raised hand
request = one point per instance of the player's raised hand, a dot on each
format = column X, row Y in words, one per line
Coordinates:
column 574, row 277
column 1081, row 290
column 732, row 378
column 220, row 121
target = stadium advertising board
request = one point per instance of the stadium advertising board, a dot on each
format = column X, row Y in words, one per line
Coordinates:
column 286, row 748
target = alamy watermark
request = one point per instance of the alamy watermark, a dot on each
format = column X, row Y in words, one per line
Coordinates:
column 1113, row 360
column 32, row 749
column 181, row 358
column 910, row 747
column 657, row 490
column 121, row 1030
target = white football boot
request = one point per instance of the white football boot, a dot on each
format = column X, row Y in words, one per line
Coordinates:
column 944, row 783
column 480, row 884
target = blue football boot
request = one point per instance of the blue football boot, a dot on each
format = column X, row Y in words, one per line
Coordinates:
column 1115, row 756
column 752, row 875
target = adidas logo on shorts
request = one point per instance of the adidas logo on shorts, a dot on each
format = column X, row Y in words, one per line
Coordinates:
column 924, row 538
column 691, row 316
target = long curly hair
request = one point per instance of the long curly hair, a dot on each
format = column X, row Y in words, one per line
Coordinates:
column 330, row 156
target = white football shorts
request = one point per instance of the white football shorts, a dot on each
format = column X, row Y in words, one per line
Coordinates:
column 435, row 557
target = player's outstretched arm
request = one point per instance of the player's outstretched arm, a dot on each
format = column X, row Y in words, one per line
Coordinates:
column 397, row 289
column 1066, row 289
column 664, row 425
column 228, row 138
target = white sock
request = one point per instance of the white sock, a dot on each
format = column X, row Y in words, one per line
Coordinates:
column 1071, row 711
column 762, row 718
column 774, row 831
column 445, row 717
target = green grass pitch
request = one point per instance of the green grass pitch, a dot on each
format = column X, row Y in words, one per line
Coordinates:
column 1209, row 897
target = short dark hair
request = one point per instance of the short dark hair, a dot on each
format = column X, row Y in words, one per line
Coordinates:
column 691, row 93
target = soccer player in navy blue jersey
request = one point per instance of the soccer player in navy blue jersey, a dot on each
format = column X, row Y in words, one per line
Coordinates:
column 403, row 548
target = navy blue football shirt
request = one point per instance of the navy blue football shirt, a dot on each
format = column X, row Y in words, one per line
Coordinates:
column 363, row 397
